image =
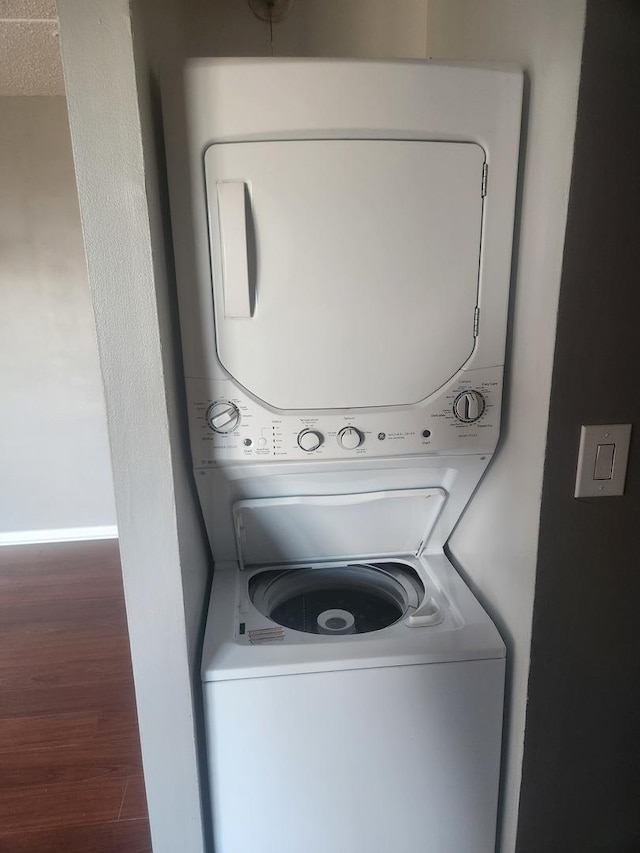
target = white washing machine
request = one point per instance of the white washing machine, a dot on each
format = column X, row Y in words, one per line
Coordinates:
column 343, row 244
column 353, row 699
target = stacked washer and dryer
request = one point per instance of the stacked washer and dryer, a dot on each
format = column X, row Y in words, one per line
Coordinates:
column 343, row 302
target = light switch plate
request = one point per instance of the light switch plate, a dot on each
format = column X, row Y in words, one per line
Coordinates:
column 592, row 438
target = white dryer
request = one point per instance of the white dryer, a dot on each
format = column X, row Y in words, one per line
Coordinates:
column 343, row 246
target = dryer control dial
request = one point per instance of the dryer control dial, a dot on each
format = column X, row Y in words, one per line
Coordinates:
column 469, row 406
column 223, row 416
column 309, row 440
column 349, row 438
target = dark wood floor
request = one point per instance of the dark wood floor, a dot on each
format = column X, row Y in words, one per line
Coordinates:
column 70, row 769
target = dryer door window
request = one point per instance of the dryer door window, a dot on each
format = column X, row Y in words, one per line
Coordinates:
column 345, row 272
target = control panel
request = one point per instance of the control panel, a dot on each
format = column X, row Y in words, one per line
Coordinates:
column 227, row 425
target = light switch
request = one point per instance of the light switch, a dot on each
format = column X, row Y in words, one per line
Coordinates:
column 602, row 460
column 603, row 469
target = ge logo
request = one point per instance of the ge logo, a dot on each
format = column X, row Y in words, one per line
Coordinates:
column 381, row 436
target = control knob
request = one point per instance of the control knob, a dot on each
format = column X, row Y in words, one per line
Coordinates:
column 349, row 438
column 469, row 406
column 309, row 440
column 223, row 416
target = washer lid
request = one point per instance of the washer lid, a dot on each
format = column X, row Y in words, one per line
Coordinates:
column 335, row 527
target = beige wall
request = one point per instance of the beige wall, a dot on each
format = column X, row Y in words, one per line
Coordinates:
column 497, row 540
column 54, row 463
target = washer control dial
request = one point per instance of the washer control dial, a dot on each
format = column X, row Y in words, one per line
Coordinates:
column 309, row 440
column 469, row 406
column 223, row 416
column 349, row 438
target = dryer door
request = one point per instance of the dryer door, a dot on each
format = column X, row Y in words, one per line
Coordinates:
column 345, row 272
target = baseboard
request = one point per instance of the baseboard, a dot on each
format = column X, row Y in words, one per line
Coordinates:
column 63, row 534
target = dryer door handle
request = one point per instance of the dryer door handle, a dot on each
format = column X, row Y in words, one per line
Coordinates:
column 232, row 212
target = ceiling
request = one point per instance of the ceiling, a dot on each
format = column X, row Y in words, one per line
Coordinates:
column 29, row 50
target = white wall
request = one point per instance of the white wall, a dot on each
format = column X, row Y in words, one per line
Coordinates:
column 55, row 467
column 496, row 542
column 162, row 544
column 343, row 28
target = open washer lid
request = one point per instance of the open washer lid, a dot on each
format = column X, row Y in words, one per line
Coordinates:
column 335, row 527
